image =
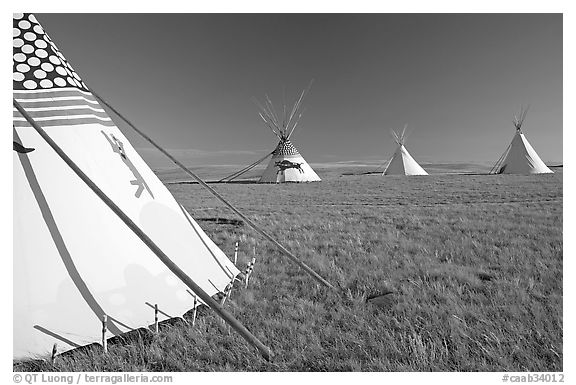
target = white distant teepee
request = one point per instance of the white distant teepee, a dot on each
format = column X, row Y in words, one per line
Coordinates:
column 286, row 164
column 75, row 260
column 402, row 162
column 520, row 157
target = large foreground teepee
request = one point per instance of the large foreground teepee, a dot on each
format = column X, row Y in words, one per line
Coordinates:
column 74, row 259
column 286, row 164
column 520, row 157
column 402, row 162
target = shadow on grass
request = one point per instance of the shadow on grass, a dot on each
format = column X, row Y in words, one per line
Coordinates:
column 222, row 221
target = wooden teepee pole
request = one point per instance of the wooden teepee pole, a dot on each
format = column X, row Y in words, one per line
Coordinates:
column 245, row 333
column 287, row 253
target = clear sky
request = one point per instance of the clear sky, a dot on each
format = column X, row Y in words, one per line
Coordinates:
column 456, row 79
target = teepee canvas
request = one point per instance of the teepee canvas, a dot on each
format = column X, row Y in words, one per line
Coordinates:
column 520, row 157
column 402, row 162
column 286, row 164
column 74, row 259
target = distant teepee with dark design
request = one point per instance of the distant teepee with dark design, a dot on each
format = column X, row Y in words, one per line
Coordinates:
column 286, row 164
column 520, row 157
column 402, row 162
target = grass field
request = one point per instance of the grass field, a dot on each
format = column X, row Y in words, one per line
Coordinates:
column 474, row 263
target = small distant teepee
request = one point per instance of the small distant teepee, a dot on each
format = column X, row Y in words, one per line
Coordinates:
column 286, row 164
column 520, row 157
column 402, row 162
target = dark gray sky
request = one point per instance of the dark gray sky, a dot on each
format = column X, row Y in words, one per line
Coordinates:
column 455, row 79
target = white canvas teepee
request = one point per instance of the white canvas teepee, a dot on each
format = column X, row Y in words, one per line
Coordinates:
column 402, row 162
column 286, row 164
column 520, row 157
column 74, row 259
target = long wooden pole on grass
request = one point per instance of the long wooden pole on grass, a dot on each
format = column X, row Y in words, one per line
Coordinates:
column 287, row 253
column 233, row 322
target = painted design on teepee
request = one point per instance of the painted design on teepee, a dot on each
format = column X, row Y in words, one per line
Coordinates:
column 38, row 64
column 402, row 163
column 520, row 157
column 286, row 164
column 45, row 83
column 139, row 181
column 285, row 147
column 20, row 148
column 84, row 262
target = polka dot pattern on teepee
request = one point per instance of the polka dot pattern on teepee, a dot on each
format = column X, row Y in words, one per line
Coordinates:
column 285, row 147
column 38, row 64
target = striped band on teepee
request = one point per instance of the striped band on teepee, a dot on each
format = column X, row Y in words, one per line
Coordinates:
column 285, row 147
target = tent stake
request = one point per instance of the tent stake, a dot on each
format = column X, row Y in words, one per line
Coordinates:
column 104, row 330
column 249, row 270
column 194, row 311
column 236, row 253
column 227, row 292
column 285, row 251
column 54, row 353
column 241, row 329
column 156, row 318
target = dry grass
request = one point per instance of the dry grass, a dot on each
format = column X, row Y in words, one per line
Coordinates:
column 475, row 263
